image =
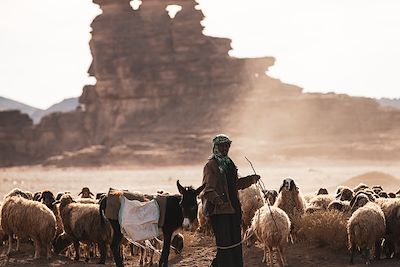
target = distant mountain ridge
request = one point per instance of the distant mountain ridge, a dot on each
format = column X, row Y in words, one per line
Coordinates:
column 36, row 114
column 389, row 102
column 9, row 104
column 68, row 104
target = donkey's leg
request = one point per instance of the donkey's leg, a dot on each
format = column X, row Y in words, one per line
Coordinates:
column 166, row 247
column 103, row 252
column 116, row 243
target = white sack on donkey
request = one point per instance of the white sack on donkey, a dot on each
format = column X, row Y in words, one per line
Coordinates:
column 139, row 220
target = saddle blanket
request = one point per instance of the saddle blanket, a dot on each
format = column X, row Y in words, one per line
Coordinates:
column 113, row 203
column 138, row 220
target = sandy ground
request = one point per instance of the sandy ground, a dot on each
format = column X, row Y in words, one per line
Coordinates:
column 199, row 249
column 309, row 176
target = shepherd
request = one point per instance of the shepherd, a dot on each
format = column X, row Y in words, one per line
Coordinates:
column 221, row 203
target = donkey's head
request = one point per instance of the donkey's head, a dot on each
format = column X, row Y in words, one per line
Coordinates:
column 189, row 203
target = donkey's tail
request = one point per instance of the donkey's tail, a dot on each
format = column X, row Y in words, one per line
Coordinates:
column 102, row 208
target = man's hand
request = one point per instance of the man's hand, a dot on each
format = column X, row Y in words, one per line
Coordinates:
column 255, row 177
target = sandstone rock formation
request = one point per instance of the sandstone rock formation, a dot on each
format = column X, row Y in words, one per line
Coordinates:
column 15, row 137
column 160, row 80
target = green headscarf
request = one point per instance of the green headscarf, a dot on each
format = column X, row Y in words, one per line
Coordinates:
column 223, row 161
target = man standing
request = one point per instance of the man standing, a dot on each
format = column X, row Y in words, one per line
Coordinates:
column 221, row 203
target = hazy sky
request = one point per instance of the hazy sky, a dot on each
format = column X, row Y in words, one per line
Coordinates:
column 346, row 46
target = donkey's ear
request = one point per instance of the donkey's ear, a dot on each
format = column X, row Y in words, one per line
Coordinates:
column 198, row 190
column 180, row 188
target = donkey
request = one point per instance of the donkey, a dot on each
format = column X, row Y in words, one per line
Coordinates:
column 181, row 211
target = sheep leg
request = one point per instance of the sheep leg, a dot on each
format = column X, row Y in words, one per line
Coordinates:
column 10, row 239
column 367, row 255
column 270, row 257
column 151, row 257
column 103, row 252
column 18, row 244
column 146, row 254
column 86, row 252
column 353, row 250
column 37, row 249
column 281, row 253
column 77, row 251
column 141, row 256
column 264, row 259
column 378, row 249
column 48, row 250
column 131, row 246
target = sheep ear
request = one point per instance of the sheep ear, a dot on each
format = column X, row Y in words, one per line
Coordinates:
column 280, row 189
column 40, row 198
column 180, row 188
column 55, row 202
column 198, row 190
column 90, row 193
column 293, row 185
column 80, row 194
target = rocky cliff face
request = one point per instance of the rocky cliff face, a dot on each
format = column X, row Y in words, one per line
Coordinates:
column 164, row 89
column 15, row 137
column 160, row 80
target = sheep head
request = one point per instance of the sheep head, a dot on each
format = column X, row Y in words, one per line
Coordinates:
column 85, row 192
column 345, row 194
column 359, row 201
column 65, row 200
column 270, row 195
column 322, row 191
column 288, row 184
column 47, row 197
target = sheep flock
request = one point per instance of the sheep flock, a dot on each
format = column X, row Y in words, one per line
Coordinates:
column 363, row 221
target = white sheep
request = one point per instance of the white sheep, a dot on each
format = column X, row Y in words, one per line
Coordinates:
column 320, row 202
column 28, row 219
column 82, row 223
column 365, row 227
column 290, row 200
column 271, row 227
column 204, row 222
column 251, row 199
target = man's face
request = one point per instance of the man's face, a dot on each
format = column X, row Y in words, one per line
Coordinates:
column 224, row 148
